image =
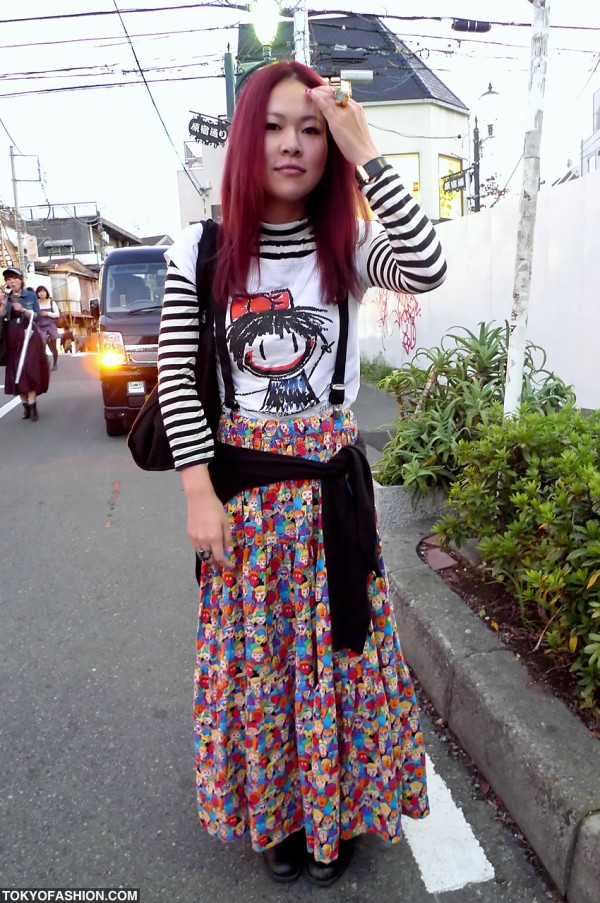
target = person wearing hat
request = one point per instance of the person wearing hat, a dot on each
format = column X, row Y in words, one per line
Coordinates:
column 19, row 308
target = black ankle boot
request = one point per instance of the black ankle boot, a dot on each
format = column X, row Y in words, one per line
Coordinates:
column 27, row 409
column 285, row 861
column 325, row 873
column 34, row 413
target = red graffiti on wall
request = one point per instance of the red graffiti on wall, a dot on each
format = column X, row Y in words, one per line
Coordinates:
column 396, row 310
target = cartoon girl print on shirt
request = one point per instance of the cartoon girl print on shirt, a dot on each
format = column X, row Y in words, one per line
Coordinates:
column 271, row 339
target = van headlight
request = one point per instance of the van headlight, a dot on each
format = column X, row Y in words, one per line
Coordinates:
column 112, row 353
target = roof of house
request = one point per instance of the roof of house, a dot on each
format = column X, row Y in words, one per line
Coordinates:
column 67, row 264
column 156, row 240
column 358, row 42
column 573, row 172
column 46, row 225
column 118, row 231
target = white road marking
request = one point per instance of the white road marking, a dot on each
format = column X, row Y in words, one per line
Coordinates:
column 448, row 854
column 9, row 405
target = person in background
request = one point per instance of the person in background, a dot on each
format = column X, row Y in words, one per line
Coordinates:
column 66, row 340
column 307, row 729
column 20, row 308
column 46, row 323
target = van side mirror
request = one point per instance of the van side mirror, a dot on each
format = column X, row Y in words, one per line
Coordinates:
column 95, row 308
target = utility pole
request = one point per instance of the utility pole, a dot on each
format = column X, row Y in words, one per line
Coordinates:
column 476, row 169
column 527, row 207
column 229, row 83
column 17, row 214
column 301, row 33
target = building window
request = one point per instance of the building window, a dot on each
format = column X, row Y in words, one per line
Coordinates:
column 408, row 168
column 451, row 202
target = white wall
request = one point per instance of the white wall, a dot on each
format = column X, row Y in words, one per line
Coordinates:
column 564, row 313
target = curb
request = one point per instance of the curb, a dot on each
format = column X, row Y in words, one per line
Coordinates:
column 537, row 755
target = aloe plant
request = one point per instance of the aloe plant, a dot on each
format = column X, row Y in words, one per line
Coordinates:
column 445, row 392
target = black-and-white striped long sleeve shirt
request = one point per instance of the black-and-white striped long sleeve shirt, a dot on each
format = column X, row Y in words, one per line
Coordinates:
column 401, row 253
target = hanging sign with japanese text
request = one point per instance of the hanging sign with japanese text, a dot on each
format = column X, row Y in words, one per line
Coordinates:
column 209, row 130
column 456, row 181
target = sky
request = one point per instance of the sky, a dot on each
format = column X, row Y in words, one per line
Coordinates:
column 120, row 147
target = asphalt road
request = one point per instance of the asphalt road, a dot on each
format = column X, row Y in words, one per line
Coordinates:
column 97, row 604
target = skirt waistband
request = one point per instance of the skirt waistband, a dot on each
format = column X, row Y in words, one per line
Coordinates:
column 314, row 437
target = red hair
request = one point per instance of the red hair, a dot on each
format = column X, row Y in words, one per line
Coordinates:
column 332, row 206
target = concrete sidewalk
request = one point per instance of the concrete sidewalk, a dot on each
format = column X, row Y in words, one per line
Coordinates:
column 538, row 757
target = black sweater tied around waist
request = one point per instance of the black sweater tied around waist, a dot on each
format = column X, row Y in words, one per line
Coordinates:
column 349, row 524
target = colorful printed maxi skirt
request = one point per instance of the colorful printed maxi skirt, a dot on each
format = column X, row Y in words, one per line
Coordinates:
column 288, row 733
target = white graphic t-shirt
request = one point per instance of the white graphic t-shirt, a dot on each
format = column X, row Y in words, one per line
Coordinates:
column 281, row 336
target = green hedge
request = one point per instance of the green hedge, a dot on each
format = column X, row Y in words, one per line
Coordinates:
column 529, row 491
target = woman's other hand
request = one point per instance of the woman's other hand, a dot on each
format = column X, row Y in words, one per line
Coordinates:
column 16, row 305
column 348, row 125
column 207, row 523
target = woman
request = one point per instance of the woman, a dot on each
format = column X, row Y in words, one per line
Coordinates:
column 306, row 726
column 20, row 308
column 46, row 323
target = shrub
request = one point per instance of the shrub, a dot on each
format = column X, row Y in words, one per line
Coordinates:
column 373, row 370
column 529, row 491
column 445, row 393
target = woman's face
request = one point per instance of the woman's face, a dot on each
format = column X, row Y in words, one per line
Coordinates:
column 42, row 294
column 295, row 151
column 15, row 283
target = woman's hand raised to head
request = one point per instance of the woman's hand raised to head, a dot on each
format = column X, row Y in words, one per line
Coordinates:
column 348, row 125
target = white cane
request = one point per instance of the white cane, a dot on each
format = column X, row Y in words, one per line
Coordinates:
column 26, row 339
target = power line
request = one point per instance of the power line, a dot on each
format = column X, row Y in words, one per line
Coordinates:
column 405, row 135
column 468, row 40
column 158, row 113
column 12, row 140
column 344, row 12
column 117, row 39
column 286, row 13
column 110, row 12
column 458, row 41
column 106, row 68
column 508, row 181
column 130, row 84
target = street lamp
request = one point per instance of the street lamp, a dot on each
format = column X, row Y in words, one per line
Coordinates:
column 265, row 19
column 477, row 145
column 490, row 108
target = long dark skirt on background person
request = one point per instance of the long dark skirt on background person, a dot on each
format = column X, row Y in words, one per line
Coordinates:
column 35, row 374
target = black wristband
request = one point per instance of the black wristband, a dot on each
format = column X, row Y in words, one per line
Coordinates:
column 369, row 172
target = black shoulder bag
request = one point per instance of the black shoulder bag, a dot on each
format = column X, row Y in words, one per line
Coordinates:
column 147, row 439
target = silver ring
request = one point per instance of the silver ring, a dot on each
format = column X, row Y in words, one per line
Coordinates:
column 203, row 554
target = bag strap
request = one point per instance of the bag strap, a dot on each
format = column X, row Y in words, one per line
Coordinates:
column 225, row 361
column 338, row 388
column 205, row 264
column 205, row 268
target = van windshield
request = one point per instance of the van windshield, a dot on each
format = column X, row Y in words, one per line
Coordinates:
column 134, row 287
